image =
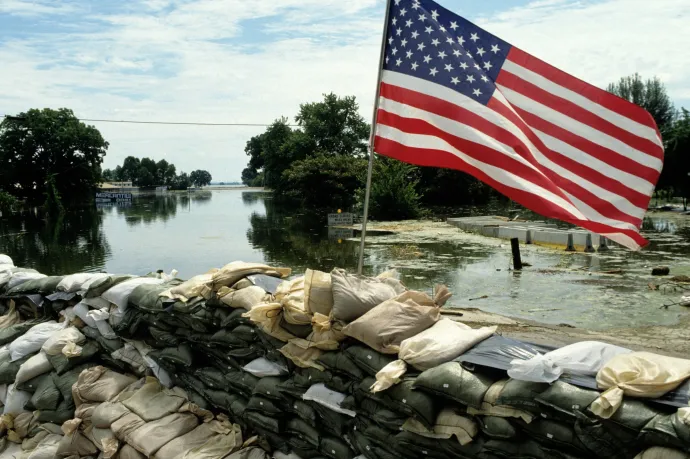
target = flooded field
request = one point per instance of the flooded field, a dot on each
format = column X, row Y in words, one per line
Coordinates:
column 195, row 232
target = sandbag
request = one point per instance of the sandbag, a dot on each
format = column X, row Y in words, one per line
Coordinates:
column 637, row 374
column 9, row 334
column 233, row 272
column 246, row 298
column 76, row 445
column 31, row 341
column 671, row 431
column 57, row 341
column 153, row 401
column 74, row 282
column 353, row 296
column 6, row 260
column 370, row 361
column 404, row 399
column 47, row 396
column 318, row 292
column 262, row 367
column 196, row 286
column 150, row 437
column 46, row 448
column 14, row 284
column 584, row 358
column 449, row 423
column 33, row 367
column 61, row 363
column 335, row 448
column 451, row 381
column 119, row 294
column 268, row 316
column 214, row 439
column 658, row 452
column 99, row 384
column 565, row 399
column 442, row 342
column 98, row 285
column 330, row 399
column 16, row 399
column 11, row 317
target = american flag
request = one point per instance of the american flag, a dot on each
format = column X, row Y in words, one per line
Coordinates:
column 452, row 95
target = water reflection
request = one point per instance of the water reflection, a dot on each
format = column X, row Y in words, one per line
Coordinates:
column 71, row 242
column 150, row 209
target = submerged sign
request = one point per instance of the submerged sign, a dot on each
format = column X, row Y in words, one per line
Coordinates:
column 343, row 219
column 108, row 198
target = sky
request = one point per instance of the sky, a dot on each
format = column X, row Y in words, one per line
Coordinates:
column 252, row 61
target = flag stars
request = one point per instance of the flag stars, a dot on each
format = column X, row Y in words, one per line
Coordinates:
column 429, row 30
column 485, row 79
column 394, row 21
column 455, row 80
column 488, row 66
column 398, row 62
column 448, row 67
column 403, row 42
column 394, row 51
column 464, row 65
column 397, row 2
column 415, row 34
column 422, row 17
column 403, row 12
column 442, row 54
column 398, row 32
column 433, row 72
column 453, row 25
column 408, row 23
column 421, row 47
column 456, row 53
column 414, row 66
column 470, row 79
column 442, row 29
column 409, row 54
column 427, row 58
column 434, row 14
column 481, row 52
column 474, row 37
column 477, row 92
column 450, row 41
column 495, row 49
column 435, row 42
column 415, row 5
column 461, row 40
column 387, row 59
column 390, row 40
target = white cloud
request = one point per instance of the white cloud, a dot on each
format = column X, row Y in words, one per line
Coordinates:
column 201, row 60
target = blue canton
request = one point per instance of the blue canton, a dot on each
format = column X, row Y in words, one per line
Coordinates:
column 427, row 41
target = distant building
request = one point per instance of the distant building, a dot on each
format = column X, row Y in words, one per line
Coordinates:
column 116, row 185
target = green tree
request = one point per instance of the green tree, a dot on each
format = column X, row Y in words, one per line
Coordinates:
column 200, row 178
column 181, row 182
column 8, row 202
column 109, row 175
column 393, row 190
column 130, row 169
column 677, row 162
column 650, row 95
column 39, row 144
column 144, row 177
column 249, row 175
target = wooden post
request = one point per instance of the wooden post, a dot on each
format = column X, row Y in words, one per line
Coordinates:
column 517, row 261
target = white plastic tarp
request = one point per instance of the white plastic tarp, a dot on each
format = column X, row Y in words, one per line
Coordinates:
column 263, row 367
column 322, row 395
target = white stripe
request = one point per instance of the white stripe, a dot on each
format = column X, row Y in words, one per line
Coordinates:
column 579, row 129
column 500, row 175
column 462, row 131
column 557, row 90
column 629, row 180
column 592, row 215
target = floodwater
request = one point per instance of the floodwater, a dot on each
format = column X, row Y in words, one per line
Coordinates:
column 198, row 231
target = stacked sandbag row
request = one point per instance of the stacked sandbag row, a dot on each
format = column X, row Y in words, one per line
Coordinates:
column 336, row 365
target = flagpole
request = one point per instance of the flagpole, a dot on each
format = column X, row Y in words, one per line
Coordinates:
column 372, row 136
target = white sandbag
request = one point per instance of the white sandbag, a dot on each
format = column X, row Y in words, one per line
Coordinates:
column 584, row 358
column 262, row 367
column 97, row 303
column 81, row 310
column 318, row 292
column 354, row 295
column 58, row 340
column 3, row 394
column 101, row 319
column 119, row 294
column 159, row 372
column 16, row 399
column 35, row 366
column 74, row 282
column 87, row 285
column 31, row 341
column 20, row 278
column 5, row 260
column 637, row 374
column 332, row 400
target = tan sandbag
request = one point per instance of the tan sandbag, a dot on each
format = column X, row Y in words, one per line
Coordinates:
column 211, row 440
column 242, row 283
column 23, row 424
column 123, row 427
column 294, row 312
column 253, row 452
column 327, row 335
column 130, row 390
column 638, row 374
column 153, row 401
column 233, row 272
column 353, row 295
column 489, row 407
column 71, row 350
column 267, row 316
column 290, row 287
column 105, row 414
column 104, row 439
column 318, row 292
column 200, row 285
column 130, row 355
column 76, row 445
column 127, row 452
column 85, row 411
column 658, row 452
column 12, row 316
column 303, row 357
column 190, row 407
column 449, row 423
column 246, row 298
column 150, row 437
column 46, row 448
column 387, row 325
column 99, row 384
column 442, row 342
column 58, row 340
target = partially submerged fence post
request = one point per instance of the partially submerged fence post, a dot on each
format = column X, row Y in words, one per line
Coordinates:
column 517, row 261
column 603, row 244
column 589, row 248
column 571, row 244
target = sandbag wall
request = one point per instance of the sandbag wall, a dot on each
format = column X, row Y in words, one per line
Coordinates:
column 294, row 362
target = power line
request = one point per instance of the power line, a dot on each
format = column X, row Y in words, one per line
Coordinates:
column 173, row 123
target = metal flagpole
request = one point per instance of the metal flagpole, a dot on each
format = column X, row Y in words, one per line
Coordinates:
column 360, row 266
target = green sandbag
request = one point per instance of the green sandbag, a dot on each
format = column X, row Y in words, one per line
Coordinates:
column 47, row 396
column 269, row 387
column 8, row 370
column 265, row 406
column 342, row 384
column 64, row 382
column 179, row 356
column 9, row 334
column 522, row 395
column 369, row 449
column 235, row 318
column 307, row 377
column 238, row 407
column 246, row 354
column 497, row 428
column 301, row 429
column 44, row 286
column 599, row 440
column 99, row 287
column 453, row 382
column 64, row 412
column 32, row 384
column 332, row 422
column 128, row 325
column 300, row 331
column 302, row 448
column 197, row 397
column 305, row 411
column 163, row 338
column 242, row 382
column 108, row 345
column 272, row 424
column 403, row 399
column 220, row 398
column 246, row 333
column 146, row 297
column 554, row 434
column 367, row 359
column 61, row 363
column 335, row 448
column 217, row 357
column 212, row 378
column 668, row 431
column 226, row 338
column 340, row 362
column 518, row 450
column 381, row 415
column 563, row 400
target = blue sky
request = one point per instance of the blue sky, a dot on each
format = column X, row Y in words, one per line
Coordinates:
column 252, row 61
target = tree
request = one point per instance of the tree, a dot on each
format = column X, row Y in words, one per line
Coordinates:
column 109, row 176
column 249, row 175
column 650, row 95
column 130, row 169
column 200, row 178
column 144, row 177
column 393, row 190
column 677, row 162
column 40, row 144
column 181, row 182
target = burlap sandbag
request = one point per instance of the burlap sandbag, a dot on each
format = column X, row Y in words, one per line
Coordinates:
column 318, row 292
column 393, row 321
column 150, row 437
column 196, row 286
column 210, row 440
column 233, row 272
column 154, row 401
column 99, row 384
column 638, row 374
column 354, row 296
column 245, row 298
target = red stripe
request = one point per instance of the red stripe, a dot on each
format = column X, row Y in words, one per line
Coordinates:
column 636, row 198
column 473, row 121
column 597, row 95
column 440, row 158
column 578, row 113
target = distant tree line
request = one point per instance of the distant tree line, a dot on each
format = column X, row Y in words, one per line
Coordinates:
column 146, row 172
